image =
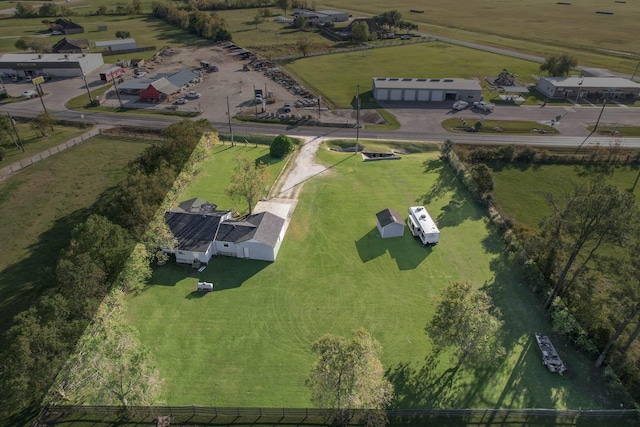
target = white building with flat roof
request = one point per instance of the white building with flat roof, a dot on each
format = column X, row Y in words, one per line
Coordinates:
column 425, row 89
column 53, row 64
column 588, row 87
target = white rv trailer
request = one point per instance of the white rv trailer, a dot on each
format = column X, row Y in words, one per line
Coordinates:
column 422, row 226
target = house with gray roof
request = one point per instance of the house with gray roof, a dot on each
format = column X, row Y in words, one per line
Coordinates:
column 203, row 231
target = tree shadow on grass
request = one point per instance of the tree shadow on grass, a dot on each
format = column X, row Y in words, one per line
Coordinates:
column 407, row 252
column 460, row 208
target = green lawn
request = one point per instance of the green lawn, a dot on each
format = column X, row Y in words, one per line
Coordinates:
column 327, row 75
column 40, row 205
column 34, row 144
column 248, row 344
column 520, row 188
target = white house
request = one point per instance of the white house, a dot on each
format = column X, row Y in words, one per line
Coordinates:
column 422, row 226
column 390, row 223
column 203, row 231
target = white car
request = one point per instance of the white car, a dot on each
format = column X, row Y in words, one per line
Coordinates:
column 484, row 106
column 56, row 33
column 460, row 105
column 193, row 95
column 29, row 94
column 181, row 101
column 140, row 74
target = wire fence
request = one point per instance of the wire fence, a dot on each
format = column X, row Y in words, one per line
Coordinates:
column 53, row 415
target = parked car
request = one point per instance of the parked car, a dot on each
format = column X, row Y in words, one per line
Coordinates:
column 56, row 33
column 287, row 107
column 460, row 105
column 29, row 94
column 405, row 37
column 140, row 74
column 181, row 101
column 484, row 106
column 193, row 95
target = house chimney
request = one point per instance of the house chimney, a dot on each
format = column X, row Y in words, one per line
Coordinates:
column 39, row 56
column 66, row 56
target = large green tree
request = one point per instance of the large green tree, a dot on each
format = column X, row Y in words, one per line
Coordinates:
column 360, row 32
column 467, row 322
column 348, row 375
column 559, row 66
column 595, row 214
column 249, row 181
column 284, row 5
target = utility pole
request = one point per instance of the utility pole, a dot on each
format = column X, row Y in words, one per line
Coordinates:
column 604, row 104
column 117, row 91
column 634, row 71
column 40, row 95
column 13, row 124
column 254, row 98
column 87, row 86
column 229, row 116
column 319, row 100
column 357, row 117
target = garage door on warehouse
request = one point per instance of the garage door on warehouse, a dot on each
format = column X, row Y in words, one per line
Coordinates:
column 382, row 94
column 437, row 95
column 396, row 95
column 423, row 95
column 410, row 95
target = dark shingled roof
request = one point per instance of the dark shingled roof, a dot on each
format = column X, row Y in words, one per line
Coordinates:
column 389, row 216
column 194, row 231
column 264, row 227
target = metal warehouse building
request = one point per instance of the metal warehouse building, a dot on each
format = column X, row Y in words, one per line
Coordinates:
column 54, row 64
column 588, row 87
column 428, row 90
column 118, row 45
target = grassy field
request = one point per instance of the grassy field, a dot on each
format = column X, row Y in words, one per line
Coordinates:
column 248, row 344
column 34, row 144
column 326, row 74
column 39, row 207
column 528, row 25
column 520, row 188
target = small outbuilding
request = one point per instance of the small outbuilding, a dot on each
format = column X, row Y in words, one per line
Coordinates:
column 117, row 45
column 390, row 223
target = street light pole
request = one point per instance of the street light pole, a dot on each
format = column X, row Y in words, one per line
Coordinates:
column 634, row 71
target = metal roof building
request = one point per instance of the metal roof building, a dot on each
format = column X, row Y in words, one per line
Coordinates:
column 588, row 87
column 53, row 64
column 118, row 45
column 424, row 89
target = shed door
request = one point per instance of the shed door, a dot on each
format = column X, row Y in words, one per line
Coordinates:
column 410, row 95
column 437, row 95
column 246, row 252
column 423, row 95
column 382, row 94
column 396, row 95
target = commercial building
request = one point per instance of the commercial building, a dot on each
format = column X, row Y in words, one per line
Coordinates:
column 427, row 90
column 53, row 64
column 588, row 87
column 322, row 16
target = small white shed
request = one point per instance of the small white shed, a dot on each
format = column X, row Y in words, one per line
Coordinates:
column 390, row 223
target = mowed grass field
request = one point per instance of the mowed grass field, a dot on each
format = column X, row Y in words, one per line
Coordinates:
column 529, row 25
column 248, row 343
column 520, row 189
column 33, row 144
column 40, row 205
column 337, row 76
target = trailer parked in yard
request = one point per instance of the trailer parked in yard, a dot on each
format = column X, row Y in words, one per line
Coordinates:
column 422, row 226
column 550, row 357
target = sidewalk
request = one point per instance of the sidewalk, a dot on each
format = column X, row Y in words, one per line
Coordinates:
column 16, row 167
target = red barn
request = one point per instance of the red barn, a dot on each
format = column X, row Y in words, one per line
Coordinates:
column 158, row 91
